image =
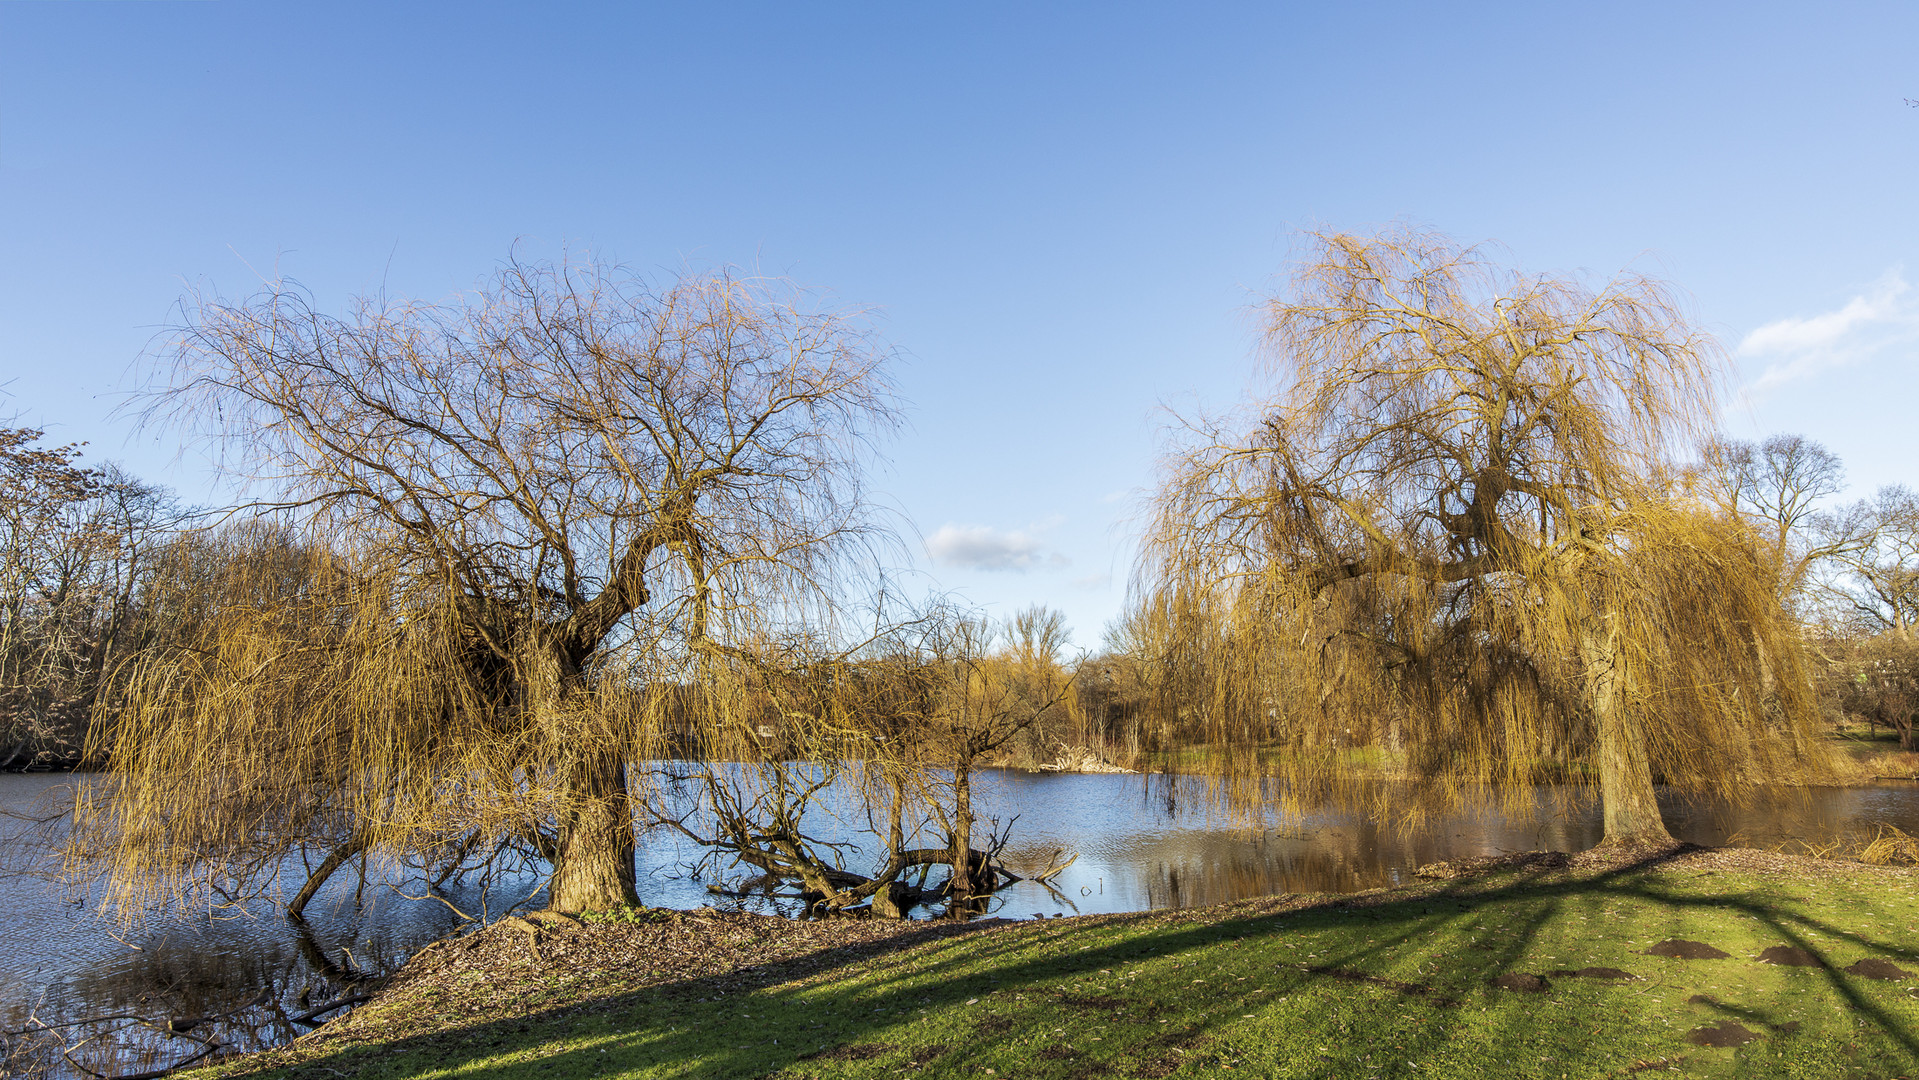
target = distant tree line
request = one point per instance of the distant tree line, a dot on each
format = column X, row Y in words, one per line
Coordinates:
column 1849, row 573
column 79, row 547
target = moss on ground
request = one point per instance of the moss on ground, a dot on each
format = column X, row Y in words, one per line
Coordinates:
column 1398, row 983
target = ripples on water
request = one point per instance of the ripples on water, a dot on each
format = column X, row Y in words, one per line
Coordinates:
column 62, row 960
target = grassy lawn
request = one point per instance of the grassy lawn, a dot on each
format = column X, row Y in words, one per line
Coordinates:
column 1396, row 983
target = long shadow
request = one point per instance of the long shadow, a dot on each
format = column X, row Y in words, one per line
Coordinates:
column 1624, row 880
column 880, row 1005
column 1794, row 928
column 1548, row 901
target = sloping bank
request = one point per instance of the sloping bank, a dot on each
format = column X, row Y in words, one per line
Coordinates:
column 1712, row 962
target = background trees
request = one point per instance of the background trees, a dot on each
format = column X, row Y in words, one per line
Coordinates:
column 1453, row 527
column 1866, row 600
column 539, row 506
column 1777, row 486
column 37, row 488
column 75, row 546
column 1875, row 551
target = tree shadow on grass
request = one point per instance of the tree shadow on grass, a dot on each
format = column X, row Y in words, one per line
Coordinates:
column 792, row 1017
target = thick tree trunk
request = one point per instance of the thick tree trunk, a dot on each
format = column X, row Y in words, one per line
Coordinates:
column 1631, row 808
column 961, row 890
column 593, row 868
column 1625, row 784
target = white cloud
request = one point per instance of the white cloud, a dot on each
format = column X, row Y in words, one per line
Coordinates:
column 1885, row 315
column 979, row 547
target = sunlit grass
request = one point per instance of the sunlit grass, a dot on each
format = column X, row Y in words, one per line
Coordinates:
column 1388, row 984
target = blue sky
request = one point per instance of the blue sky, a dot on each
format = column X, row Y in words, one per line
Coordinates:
column 1059, row 215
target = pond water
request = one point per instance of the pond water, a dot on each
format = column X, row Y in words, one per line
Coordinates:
column 63, row 960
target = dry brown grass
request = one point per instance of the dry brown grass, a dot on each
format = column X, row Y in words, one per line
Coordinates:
column 1886, row 845
column 1891, row 847
column 1864, row 763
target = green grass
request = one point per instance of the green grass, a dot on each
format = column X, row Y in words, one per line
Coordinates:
column 1392, row 984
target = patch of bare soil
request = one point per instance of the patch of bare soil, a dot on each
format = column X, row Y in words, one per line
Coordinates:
column 1079, row 1066
column 1875, row 968
column 1675, row 857
column 850, row 1052
column 1790, row 956
column 924, row 1055
column 1692, row 857
column 1157, row 1067
column 1597, row 973
column 1520, row 980
column 1430, row 992
column 1723, row 1034
column 1681, row 949
column 1180, row 1045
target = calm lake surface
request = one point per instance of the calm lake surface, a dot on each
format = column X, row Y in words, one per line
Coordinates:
column 62, row 960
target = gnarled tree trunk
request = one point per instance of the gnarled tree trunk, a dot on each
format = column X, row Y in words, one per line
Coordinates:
column 593, row 867
column 1631, row 808
column 962, row 882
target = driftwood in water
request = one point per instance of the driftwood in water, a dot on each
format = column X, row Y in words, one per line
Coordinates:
column 311, row 1018
column 892, row 898
column 338, row 857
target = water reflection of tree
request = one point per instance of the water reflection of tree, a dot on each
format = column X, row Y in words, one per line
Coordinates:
column 249, row 980
column 1337, row 851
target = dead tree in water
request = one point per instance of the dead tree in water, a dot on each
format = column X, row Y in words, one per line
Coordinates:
column 893, row 734
column 1453, row 530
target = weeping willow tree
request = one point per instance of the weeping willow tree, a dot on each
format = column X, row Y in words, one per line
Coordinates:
column 543, row 513
column 1452, row 532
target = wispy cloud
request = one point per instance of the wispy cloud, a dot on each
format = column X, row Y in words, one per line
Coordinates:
column 980, row 547
column 1885, row 315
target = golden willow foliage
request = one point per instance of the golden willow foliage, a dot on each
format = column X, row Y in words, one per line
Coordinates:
column 292, row 706
column 546, row 522
column 1449, row 546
